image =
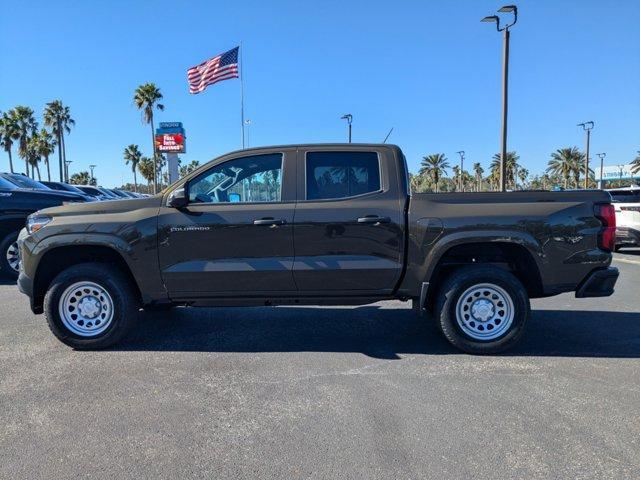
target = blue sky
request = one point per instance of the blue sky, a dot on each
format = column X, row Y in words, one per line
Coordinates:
column 429, row 69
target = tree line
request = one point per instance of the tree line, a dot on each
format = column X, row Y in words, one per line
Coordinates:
column 19, row 128
column 564, row 169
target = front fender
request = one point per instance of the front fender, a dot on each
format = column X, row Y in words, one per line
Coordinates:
column 139, row 258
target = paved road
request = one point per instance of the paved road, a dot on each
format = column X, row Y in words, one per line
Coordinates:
column 366, row 392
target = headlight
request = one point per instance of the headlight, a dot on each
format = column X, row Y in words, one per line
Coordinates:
column 36, row 223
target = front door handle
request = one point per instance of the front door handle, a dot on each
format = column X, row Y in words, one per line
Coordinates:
column 373, row 219
column 268, row 221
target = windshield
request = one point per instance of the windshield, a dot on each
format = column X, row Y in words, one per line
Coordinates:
column 26, row 182
column 6, row 184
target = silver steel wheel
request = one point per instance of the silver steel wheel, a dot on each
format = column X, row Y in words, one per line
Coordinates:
column 485, row 311
column 86, row 309
column 13, row 256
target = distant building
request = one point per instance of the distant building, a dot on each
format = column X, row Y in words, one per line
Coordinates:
column 617, row 172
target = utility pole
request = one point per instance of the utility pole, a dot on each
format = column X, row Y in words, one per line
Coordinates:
column 587, row 127
column 601, row 156
column 461, row 180
column 505, row 85
column 349, row 118
column 92, row 178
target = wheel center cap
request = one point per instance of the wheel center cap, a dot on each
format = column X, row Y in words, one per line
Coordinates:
column 482, row 310
column 89, row 307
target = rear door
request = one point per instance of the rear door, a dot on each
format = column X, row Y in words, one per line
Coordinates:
column 349, row 221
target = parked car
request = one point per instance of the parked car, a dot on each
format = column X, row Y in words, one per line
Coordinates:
column 22, row 181
column 316, row 224
column 65, row 187
column 15, row 206
column 627, row 204
column 95, row 192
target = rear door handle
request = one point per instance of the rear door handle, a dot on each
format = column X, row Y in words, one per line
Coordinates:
column 373, row 219
column 268, row 221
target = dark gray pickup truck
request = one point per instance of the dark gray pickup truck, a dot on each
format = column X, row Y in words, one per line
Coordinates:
column 316, row 224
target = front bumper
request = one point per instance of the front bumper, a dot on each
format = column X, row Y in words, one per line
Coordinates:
column 627, row 236
column 598, row 283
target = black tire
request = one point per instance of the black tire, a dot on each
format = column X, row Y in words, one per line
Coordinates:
column 458, row 284
column 123, row 299
column 5, row 244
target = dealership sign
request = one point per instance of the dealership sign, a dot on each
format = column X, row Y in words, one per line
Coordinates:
column 619, row 172
column 170, row 138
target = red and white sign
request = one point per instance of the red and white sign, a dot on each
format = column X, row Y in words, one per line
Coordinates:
column 170, row 142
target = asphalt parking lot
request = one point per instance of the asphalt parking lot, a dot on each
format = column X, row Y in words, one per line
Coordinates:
column 368, row 392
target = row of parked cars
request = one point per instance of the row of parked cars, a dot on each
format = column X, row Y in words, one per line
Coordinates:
column 20, row 196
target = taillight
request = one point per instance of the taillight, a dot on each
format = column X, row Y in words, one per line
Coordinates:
column 607, row 235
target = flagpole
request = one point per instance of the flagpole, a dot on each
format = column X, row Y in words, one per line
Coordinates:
column 241, row 96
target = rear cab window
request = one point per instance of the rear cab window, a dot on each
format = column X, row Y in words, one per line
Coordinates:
column 336, row 175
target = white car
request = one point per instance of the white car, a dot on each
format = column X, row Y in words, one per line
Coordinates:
column 627, row 204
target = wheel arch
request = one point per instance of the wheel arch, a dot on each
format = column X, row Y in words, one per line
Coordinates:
column 519, row 254
column 57, row 258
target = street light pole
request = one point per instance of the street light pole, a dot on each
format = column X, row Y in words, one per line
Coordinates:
column 247, row 122
column 92, row 167
column 601, row 156
column 66, row 170
column 460, row 180
column 587, row 127
column 349, row 118
column 505, row 85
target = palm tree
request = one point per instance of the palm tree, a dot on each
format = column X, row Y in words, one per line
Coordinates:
column 33, row 153
column 46, row 146
column 478, row 171
column 132, row 154
column 81, row 178
column 8, row 132
column 146, row 169
column 635, row 165
column 58, row 117
column 564, row 162
column 188, row 168
column 435, row 166
column 146, row 97
column 456, row 176
column 25, row 125
column 523, row 174
column 510, row 168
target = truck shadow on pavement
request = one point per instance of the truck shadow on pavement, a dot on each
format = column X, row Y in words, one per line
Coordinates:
column 377, row 332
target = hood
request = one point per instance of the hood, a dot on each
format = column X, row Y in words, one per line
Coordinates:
column 96, row 208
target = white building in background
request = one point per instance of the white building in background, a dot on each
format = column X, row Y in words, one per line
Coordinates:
column 617, row 172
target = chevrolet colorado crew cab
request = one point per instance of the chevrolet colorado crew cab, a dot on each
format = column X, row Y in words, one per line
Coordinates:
column 316, row 224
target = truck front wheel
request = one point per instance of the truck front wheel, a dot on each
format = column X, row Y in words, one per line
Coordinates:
column 90, row 306
column 482, row 309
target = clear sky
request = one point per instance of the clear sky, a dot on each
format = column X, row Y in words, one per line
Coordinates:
column 428, row 68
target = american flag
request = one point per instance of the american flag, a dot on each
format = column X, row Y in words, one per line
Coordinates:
column 220, row 67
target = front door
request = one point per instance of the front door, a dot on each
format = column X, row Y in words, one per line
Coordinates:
column 235, row 236
column 349, row 222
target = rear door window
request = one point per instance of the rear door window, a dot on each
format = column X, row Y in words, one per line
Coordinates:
column 334, row 175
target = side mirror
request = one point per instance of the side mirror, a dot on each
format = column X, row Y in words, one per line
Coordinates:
column 177, row 198
column 234, row 197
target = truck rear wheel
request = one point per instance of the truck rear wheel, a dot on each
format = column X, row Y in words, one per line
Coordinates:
column 482, row 309
column 10, row 255
column 90, row 306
